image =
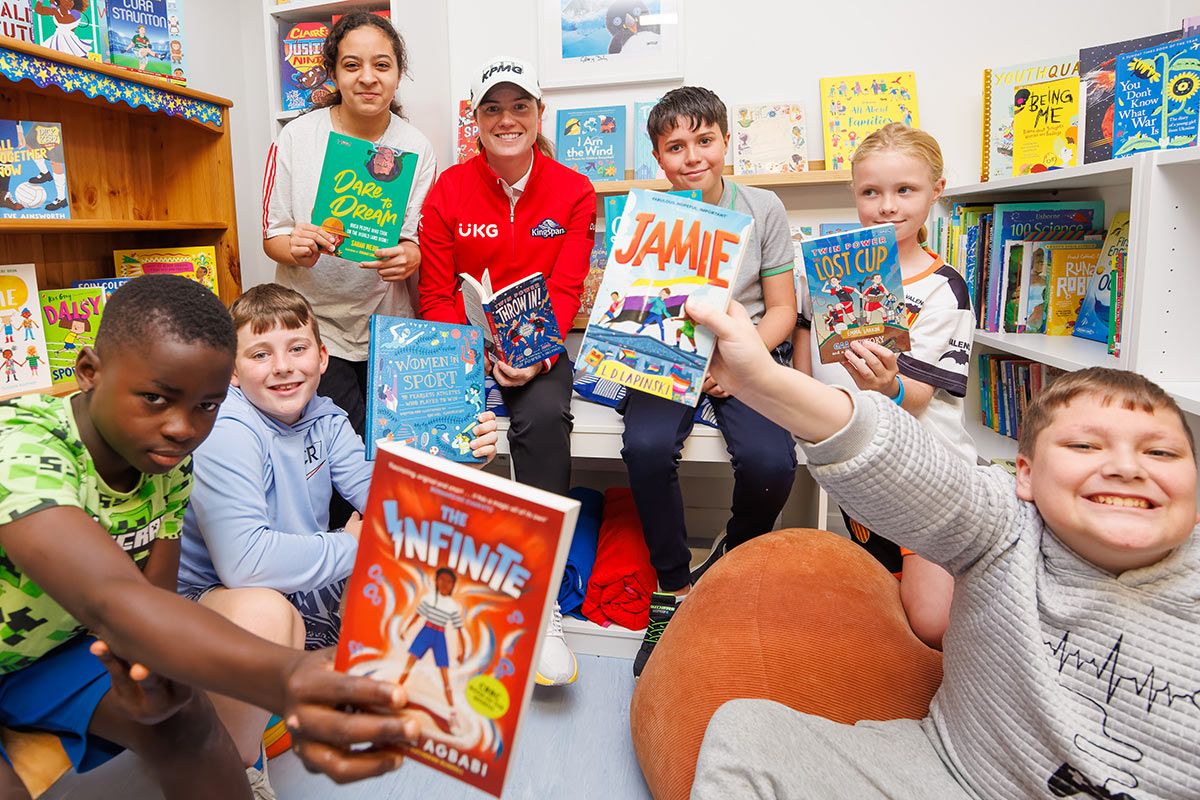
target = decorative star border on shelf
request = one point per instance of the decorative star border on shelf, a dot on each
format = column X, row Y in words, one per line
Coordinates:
column 17, row 66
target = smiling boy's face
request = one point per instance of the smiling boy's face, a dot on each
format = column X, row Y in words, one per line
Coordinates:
column 1116, row 485
column 279, row 370
column 693, row 159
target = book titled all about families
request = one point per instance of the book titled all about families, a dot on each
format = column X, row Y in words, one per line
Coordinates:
column 666, row 250
column 451, row 590
column 424, row 385
column 517, row 321
column 362, row 195
column 857, row 291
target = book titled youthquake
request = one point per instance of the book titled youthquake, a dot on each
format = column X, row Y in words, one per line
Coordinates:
column 23, row 356
column 33, row 171
column 517, row 321
column 667, row 249
column 194, row 263
column 424, row 385
column 999, row 91
column 362, row 195
column 857, row 291
column 455, row 576
column 591, row 141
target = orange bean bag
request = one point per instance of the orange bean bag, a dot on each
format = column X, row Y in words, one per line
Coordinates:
column 802, row 617
column 38, row 758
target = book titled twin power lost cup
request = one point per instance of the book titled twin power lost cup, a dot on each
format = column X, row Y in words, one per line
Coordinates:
column 451, row 590
column 857, row 291
column 665, row 250
column 362, row 195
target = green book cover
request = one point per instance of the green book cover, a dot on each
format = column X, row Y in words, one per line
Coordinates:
column 362, row 195
column 70, row 318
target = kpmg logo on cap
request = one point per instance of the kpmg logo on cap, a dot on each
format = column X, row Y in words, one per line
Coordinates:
column 503, row 66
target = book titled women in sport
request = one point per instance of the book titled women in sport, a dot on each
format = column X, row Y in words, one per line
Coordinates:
column 517, row 321
column 424, row 385
column 665, row 250
column 857, row 291
column 455, row 576
column 362, row 195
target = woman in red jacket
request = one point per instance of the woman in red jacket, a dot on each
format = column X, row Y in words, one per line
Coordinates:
column 514, row 210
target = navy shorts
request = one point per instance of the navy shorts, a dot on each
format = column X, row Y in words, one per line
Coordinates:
column 58, row 694
column 431, row 638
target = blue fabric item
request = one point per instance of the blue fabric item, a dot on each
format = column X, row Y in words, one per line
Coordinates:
column 429, row 639
column 493, row 400
column 58, row 694
column 581, row 557
column 259, row 512
column 610, row 393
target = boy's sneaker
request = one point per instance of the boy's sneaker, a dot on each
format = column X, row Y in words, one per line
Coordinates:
column 558, row 665
column 260, row 784
column 42, row 177
column 662, row 608
column 718, row 550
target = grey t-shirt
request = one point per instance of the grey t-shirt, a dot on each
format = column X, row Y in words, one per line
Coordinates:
column 770, row 249
column 343, row 294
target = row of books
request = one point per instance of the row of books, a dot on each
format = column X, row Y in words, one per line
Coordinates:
column 144, row 36
column 42, row 331
column 1039, row 267
column 303, row 80
column 1108, row 101
column 1007, row 385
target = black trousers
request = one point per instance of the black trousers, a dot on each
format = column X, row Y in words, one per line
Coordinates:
column 539, row 434
column 345, row 383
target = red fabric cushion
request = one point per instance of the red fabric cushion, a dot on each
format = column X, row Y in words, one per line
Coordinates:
column 622, row 579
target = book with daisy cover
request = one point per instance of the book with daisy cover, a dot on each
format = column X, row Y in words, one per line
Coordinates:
column 454, row 582
column 362, row 195
column 666, row 250
column 856, row 289
column 70, row 319
column 424, row 385
column 1156, row 100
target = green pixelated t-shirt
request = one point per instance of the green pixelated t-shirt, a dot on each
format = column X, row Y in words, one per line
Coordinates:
column 44, row 464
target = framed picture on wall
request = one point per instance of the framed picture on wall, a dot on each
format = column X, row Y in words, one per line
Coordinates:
column 593, row 42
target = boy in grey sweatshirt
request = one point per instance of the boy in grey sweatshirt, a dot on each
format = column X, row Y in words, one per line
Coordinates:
column 1072, row 661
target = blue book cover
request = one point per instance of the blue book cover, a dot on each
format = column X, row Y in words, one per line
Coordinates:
column 645, row 166
column 667, row 249
column 518, row 321
column 591, row 141
column 1040, row 221
column 33, row 171
column 144, row 35
column 424, row 385
column 971, row 263
column 1155, row 105
column 856, row 289
column 109, row 285
column 826, row 228
column 614, row 208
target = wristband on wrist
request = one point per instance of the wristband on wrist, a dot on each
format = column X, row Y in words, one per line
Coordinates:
column 899, row 398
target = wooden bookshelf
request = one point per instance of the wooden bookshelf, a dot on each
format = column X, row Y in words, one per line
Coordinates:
column 148, row 165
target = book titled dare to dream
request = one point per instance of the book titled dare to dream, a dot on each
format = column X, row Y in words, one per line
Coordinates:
column 454, row 580
column 667, row 250
column 857, row 291
column 362, row 195
column 591, row 141
column 424, row 385
column 517, row 321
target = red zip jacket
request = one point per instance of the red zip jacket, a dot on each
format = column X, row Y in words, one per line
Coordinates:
column 467, row 225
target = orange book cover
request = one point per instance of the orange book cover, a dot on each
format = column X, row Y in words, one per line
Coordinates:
column 450, row 594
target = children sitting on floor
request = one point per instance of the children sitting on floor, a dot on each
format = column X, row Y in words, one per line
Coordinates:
column 1072, row 659
column 257, row 548
column 94, row 490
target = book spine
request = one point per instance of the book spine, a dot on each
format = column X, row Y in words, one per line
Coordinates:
column 498, row 349
column 371, row 391
column 985, row 162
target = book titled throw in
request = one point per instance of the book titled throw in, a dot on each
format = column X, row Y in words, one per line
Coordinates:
column 517, row 321
column 667, row 250
column 424, row 385
column 452, row 588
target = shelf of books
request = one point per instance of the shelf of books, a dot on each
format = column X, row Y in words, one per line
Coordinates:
column 1063, row 352
column 785, row 180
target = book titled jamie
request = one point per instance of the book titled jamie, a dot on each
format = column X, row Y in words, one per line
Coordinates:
column 1156, row 106
column 33, row 171
column 591, row 141
column 453, row 584
column 362, row 195
column 424, row 385
column 856, row 290
column 667, row 249
column 517, row 321
column 614, row 208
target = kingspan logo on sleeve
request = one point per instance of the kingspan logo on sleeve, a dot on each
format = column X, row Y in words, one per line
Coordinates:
column 547, row 229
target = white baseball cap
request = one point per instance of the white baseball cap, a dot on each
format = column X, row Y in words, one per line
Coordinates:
column 504, row 70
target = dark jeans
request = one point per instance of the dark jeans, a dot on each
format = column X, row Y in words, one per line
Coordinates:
column 345, row 383
column 539, row 433
column 764, row 466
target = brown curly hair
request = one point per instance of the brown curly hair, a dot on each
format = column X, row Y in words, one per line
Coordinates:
column 359, row 19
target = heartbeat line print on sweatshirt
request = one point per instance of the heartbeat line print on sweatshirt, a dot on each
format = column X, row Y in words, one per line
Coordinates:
column 1147, row 686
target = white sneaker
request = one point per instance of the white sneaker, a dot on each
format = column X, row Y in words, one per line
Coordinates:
column 260, row 784
column 558, row 665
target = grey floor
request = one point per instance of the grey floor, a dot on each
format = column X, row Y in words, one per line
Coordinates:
column 574, row 745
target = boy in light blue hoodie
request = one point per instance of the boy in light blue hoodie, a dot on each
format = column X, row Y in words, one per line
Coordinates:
column 256, row 541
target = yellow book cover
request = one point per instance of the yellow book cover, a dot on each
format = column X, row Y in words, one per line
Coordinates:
column 197, row 263
column 1071, row 270
column 855, row 106
column 1045, row 126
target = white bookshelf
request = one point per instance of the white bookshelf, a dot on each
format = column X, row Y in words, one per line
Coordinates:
column 1161, row 191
